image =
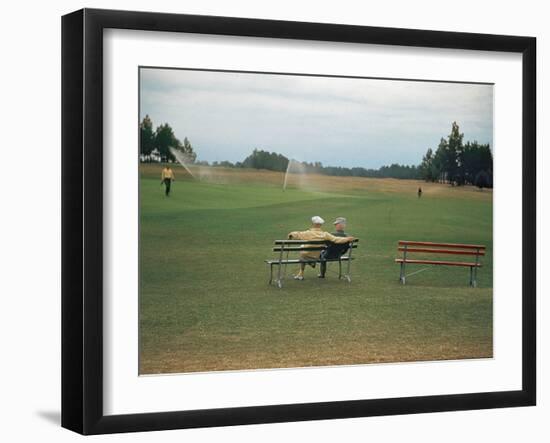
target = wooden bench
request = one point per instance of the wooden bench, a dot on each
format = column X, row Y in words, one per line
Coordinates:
column 283, row 248
column 427, row 248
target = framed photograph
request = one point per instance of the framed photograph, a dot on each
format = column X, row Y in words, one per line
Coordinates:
column 268, row 221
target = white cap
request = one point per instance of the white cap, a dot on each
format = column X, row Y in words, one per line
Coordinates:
column 316, row 220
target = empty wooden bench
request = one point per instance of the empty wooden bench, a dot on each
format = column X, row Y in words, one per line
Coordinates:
column 284, row 248
column 413, row 248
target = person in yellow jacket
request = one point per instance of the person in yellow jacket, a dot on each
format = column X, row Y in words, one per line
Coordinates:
column 166, row 178
column 314, row 233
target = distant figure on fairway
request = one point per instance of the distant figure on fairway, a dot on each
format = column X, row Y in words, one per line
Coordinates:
column 419, row 192
column 334, row 250
column 166, row 178
column 314, row 233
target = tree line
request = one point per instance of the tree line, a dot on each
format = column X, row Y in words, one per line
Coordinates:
column 458, row 163
column 260, row 159
column 154, row 145
column 453, row 162
column 394, row 170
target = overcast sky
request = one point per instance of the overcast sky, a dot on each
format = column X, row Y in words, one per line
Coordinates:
column 337, row 121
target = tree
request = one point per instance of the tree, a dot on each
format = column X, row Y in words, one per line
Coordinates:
column 156, row 145
column 164, row 140
column 455, row 149
column 471, row 160
column 146, row 138
column 482, row 180
column 441, row 161
column 260, row 159
column 457, row 163
column 427, row 168
column 486, row 163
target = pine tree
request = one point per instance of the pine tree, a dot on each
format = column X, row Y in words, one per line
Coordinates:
column 146, row 138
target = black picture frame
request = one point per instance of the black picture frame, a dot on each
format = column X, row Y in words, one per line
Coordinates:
column 82, row 219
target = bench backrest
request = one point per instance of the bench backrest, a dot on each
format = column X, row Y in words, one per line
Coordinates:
column 305, row 245
column 440, row 248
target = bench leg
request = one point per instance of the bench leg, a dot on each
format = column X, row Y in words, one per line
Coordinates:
column 279, row 278
column 402, row 273
column 347, row 276
column 473, row 277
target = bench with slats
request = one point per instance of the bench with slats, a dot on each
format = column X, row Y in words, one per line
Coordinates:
column 284, row 248
column 465, row 251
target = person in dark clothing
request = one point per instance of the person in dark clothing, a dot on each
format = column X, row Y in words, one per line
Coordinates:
column 419, row 192
column 334, row 250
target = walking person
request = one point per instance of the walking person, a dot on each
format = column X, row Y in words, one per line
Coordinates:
column 166, row 178
column 419, row 192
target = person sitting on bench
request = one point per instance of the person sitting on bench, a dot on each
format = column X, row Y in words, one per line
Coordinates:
column 314, row 233
column 334, row 250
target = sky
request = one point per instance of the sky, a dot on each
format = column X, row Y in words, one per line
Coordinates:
column 337, row 121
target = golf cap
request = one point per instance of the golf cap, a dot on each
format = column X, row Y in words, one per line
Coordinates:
column 339, row 220
column 316, row 220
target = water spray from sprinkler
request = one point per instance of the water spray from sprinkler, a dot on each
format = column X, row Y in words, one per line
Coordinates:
column 294, row 167
column 182, row 159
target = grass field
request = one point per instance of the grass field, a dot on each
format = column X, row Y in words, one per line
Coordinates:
column 204, row 299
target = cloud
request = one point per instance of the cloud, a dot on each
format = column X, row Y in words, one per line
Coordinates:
column 338, row 121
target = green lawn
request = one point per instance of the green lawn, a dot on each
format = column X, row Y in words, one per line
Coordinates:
column 205, row 303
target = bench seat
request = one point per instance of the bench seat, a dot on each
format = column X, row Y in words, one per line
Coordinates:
column 293, row 261
column 438, row 262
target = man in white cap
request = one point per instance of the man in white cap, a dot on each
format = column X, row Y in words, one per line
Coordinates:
column 314, row 233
